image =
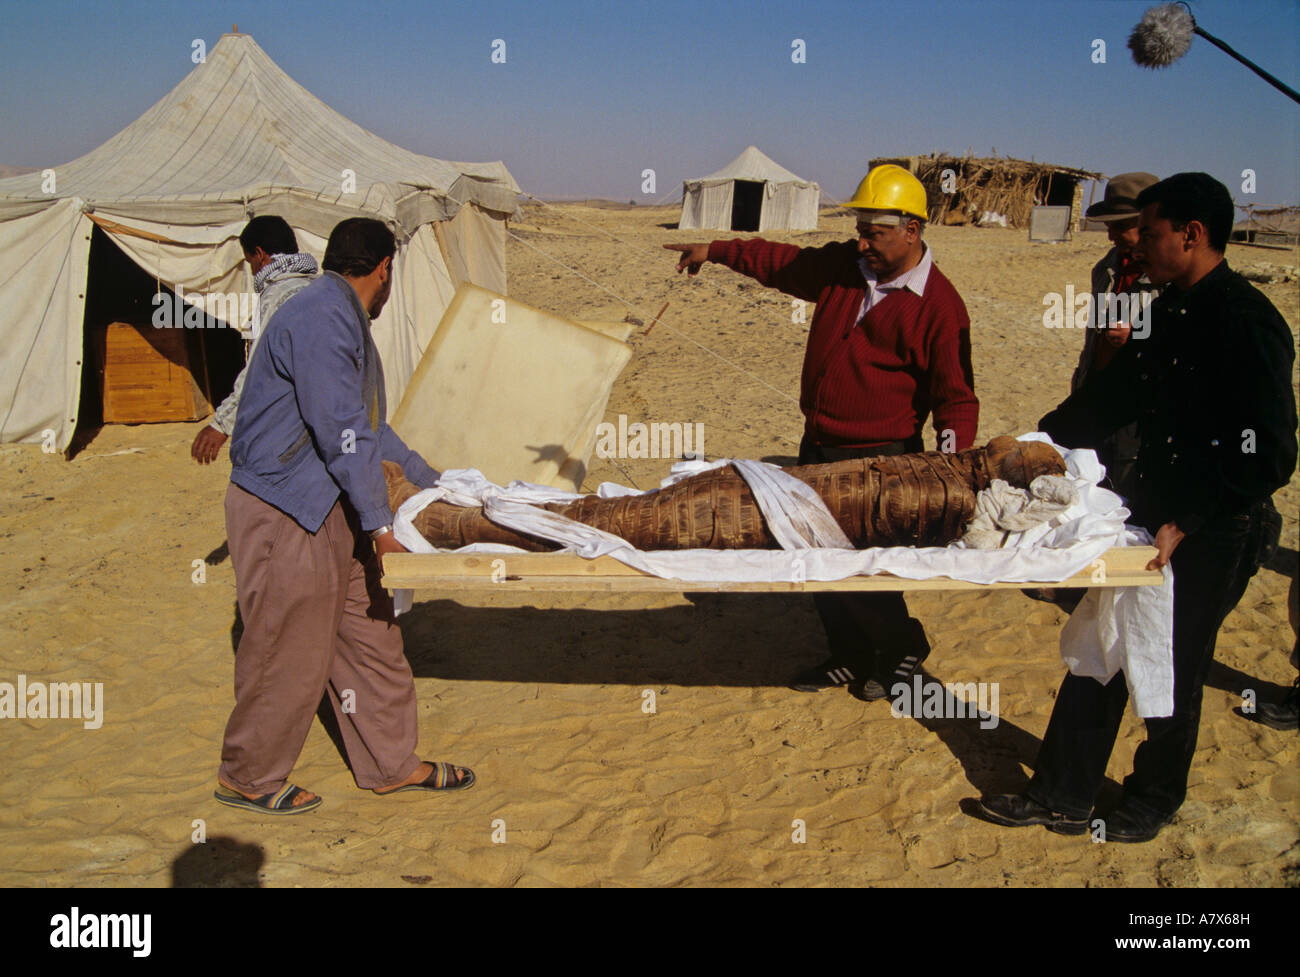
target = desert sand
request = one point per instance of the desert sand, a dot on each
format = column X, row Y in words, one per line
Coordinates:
column 543, row 696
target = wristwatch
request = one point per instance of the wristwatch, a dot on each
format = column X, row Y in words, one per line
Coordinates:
column 376, row 533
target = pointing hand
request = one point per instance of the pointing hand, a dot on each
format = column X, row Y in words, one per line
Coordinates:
column 693, row 256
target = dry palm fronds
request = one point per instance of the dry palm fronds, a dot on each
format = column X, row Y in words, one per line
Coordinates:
column 1011, row 187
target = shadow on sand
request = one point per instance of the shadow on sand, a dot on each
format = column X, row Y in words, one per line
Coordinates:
column 219, row 863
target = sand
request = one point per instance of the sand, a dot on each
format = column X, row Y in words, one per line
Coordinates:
column 545, row 697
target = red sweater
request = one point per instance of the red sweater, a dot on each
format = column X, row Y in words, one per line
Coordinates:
column 874, row 382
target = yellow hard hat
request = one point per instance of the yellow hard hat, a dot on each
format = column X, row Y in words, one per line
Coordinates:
column 890, row 188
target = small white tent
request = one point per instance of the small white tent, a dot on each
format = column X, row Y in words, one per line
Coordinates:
column 236, row 138
column 751, row 193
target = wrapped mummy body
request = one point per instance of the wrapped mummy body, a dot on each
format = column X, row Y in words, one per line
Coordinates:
column 922, row 499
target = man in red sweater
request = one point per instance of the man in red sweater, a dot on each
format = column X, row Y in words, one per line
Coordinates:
column 889, row 345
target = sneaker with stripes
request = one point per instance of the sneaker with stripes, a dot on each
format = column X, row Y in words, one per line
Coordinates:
column 874, row 689
column 830, row 674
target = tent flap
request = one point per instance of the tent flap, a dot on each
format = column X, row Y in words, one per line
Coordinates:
column 44, row 259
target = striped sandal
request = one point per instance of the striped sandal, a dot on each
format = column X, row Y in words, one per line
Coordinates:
column 281, row 802
column 443, row 777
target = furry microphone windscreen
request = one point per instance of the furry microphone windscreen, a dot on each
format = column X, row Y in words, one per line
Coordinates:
column 1163, row 36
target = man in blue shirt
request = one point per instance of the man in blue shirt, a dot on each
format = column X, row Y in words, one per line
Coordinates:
column 308, row 521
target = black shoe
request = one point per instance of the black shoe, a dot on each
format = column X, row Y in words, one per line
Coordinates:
column 1279, row 715
column 1018, row 811
column 1128, row 828
column 890, row 673
column 830, row 674
column 901, row 669
column 874, row 689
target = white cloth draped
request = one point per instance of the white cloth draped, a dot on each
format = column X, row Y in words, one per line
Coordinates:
column 1113, row 629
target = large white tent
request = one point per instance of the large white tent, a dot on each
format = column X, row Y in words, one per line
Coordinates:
column 751, row 193
column 236, row 138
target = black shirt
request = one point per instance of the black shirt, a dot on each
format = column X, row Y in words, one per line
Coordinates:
column 1210, row 389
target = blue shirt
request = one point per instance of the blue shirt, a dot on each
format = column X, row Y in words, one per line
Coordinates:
column 311, row 419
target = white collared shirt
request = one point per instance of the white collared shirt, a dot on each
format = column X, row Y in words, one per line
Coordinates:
column 914, row 279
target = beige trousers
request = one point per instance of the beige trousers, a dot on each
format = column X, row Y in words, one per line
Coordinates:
column 316, row 622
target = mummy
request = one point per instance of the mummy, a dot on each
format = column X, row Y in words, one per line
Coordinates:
column 921, row 499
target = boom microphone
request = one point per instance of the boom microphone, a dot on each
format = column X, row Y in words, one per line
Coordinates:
column 1165, row 33
column 1162, row 36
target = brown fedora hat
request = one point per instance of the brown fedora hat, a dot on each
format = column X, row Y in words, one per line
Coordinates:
column 1120, row 200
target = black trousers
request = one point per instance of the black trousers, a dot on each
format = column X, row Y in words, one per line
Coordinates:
column 1211, row 570
column 873, row 629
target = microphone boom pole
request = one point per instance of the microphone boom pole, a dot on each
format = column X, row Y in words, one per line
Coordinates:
column 1280, row 86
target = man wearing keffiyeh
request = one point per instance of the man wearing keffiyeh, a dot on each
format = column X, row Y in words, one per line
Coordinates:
column 279, row 270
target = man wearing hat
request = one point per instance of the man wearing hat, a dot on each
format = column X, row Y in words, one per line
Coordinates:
column 1115, row 274
column 888, row 346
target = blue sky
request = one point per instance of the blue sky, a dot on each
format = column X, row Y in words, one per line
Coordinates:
column 591, row 94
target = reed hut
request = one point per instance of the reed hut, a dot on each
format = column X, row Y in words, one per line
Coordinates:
column 962, row 189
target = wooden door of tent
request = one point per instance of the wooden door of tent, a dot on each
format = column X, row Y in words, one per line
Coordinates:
column 133, row 373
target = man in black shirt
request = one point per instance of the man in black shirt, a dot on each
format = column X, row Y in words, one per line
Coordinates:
column 1210, row 389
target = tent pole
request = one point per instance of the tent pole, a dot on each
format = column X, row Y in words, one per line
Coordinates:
column 203, row 355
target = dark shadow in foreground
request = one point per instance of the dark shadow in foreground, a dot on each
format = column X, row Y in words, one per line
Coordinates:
column 219, row 863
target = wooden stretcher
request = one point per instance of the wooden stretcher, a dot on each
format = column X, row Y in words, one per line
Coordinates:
column 523, row 572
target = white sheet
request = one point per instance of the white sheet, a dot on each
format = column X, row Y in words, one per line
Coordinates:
column 1122, row 628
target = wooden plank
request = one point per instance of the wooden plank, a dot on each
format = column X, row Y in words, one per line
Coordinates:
column 525, row 572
